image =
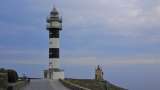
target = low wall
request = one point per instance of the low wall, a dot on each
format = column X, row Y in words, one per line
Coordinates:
column 3, row 81
column 17, row 86
column 72, row 86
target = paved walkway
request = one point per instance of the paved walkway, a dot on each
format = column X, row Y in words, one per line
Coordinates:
column 45, row 85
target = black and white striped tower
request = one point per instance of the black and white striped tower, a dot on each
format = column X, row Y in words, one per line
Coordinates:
column 54, row 27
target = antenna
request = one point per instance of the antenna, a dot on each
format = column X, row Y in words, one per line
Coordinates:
column 54, row 3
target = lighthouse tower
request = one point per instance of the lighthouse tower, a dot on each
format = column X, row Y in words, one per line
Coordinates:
column 54, row 26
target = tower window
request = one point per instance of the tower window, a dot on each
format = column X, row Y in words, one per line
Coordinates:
column 54, row 53
column 54, row 34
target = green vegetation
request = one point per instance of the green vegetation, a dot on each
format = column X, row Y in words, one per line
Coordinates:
column 95, row 85
column 7, row 77
column 12, row 76
column 3, row 80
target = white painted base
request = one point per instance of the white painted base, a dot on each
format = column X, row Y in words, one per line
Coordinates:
column 54, row 63
column 58, row 75
column 55, row 75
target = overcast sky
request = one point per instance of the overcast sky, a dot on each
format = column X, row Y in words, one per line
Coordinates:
column 123, row 36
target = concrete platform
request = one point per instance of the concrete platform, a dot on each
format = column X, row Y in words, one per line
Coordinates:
column 42, row 84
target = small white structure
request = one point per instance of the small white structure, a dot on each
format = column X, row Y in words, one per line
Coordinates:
column 54, row 26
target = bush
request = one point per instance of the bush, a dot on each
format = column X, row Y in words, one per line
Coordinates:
column 2, row 70
column 12, row 76
column 3, row 80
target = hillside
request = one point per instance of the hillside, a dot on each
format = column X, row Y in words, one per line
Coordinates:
column 95, row 85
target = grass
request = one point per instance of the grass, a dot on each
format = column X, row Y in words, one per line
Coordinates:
column 95, row 85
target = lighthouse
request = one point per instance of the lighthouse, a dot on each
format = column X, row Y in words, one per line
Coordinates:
column 54, row 26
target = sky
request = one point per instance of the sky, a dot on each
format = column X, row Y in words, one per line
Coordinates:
column 123, row 36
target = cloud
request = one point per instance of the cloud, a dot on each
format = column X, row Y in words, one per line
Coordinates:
column 112, row 33
column 115, row 11
column 91, row 24
column 109, row 62
column 126, row 19
column 23, row 56
column 120, row 18
column 88, row 61
column 10, row 28
column 38, row 61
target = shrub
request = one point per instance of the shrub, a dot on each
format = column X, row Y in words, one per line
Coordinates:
column 2, row 70
column 12, row 76
column 3, row 80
